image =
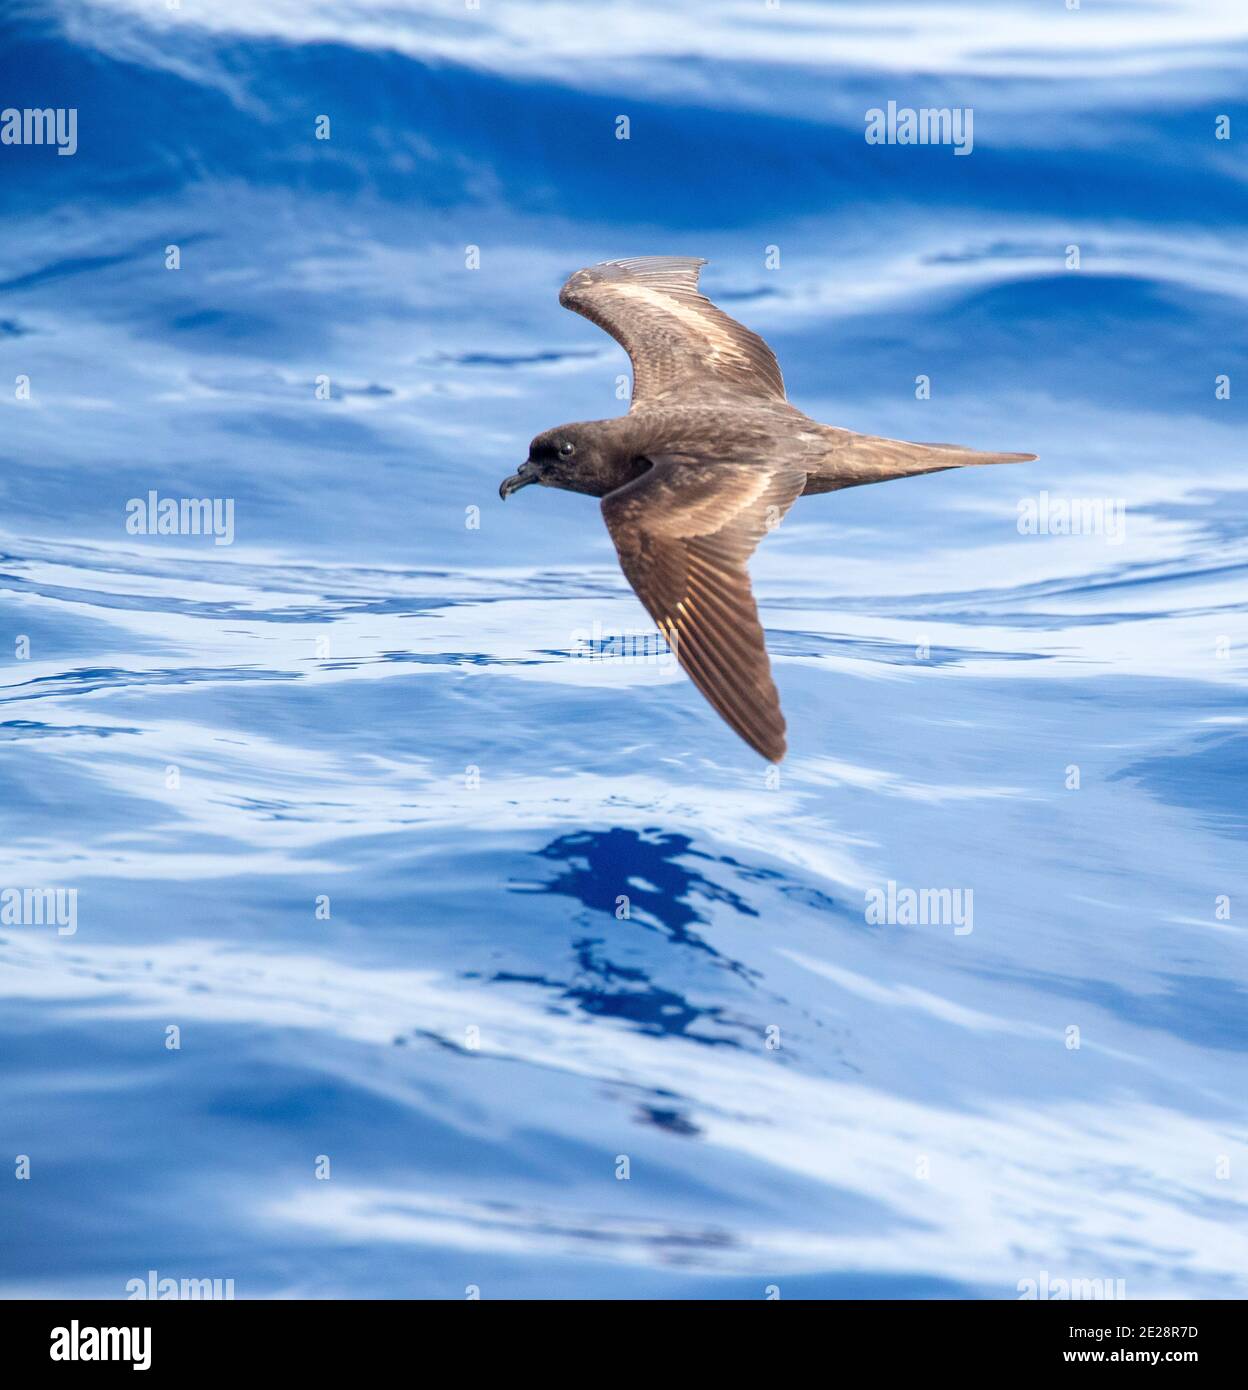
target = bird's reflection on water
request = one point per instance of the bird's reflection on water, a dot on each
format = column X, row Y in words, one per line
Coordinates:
column 628, row 881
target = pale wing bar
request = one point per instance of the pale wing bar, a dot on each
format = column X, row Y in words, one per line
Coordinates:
column 684, row 534
column 678, row 341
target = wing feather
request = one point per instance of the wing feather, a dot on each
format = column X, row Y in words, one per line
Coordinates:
column 681, row 345
column 684, row 532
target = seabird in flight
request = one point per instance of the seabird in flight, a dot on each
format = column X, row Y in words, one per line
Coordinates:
column 709, row 458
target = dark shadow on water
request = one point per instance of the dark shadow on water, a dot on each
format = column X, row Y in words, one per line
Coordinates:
column 601, row 866
column 630, row 995
column 671, row 1121
column 598, row 869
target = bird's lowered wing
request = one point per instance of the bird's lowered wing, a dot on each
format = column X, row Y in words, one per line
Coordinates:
column 680, row 344
column 684, row 532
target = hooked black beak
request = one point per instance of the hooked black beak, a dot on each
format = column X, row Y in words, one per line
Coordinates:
column 526, row 475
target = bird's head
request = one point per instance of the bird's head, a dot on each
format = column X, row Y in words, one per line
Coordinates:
column 562, row 457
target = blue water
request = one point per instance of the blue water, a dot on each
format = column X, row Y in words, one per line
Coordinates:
column 368, row 701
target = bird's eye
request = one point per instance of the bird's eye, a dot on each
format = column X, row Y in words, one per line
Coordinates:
column 567, row 448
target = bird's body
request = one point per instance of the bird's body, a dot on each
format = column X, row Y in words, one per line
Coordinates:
column 709, row 458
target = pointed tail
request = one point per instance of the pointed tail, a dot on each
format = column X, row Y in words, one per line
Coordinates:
column 864, row 458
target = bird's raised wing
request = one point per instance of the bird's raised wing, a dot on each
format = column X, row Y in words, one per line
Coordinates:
column 684, row 532
column 681, row 346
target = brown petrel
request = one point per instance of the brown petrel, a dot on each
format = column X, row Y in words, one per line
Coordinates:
column 709, row 458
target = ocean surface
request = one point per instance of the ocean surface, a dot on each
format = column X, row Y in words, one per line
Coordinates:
column 427, row 938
